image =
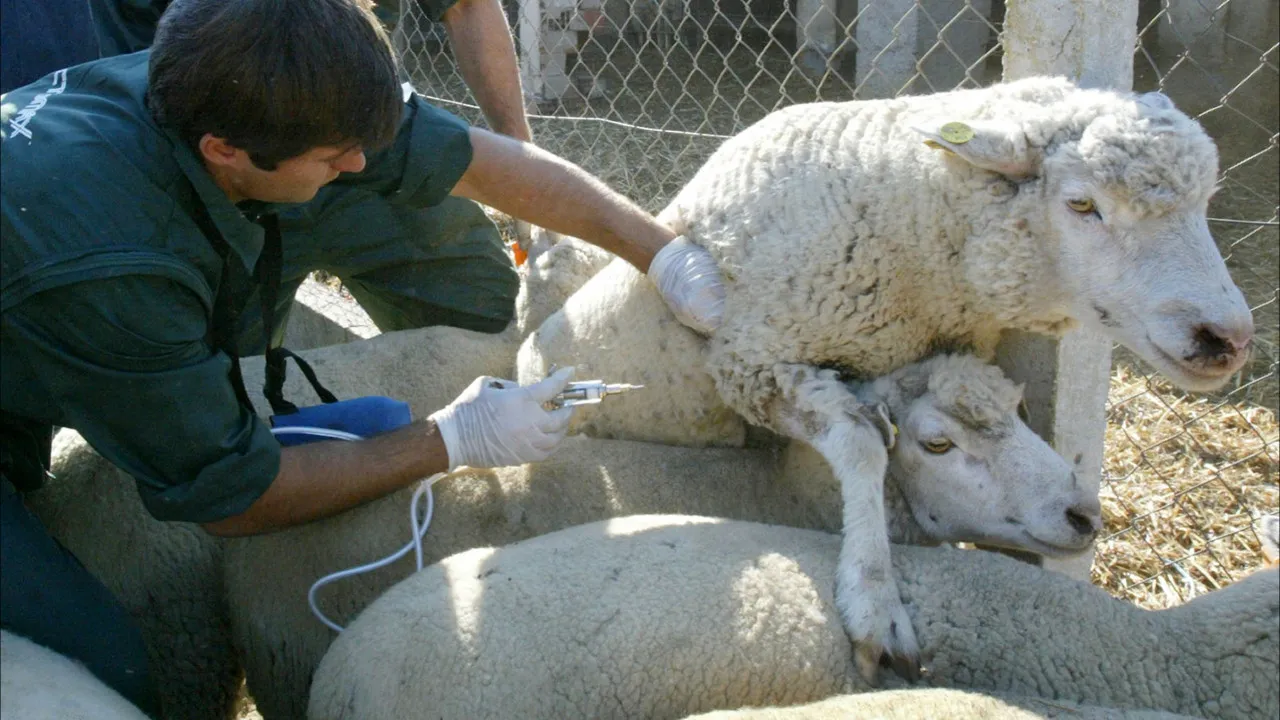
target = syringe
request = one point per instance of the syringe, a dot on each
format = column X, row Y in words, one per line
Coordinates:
column 589, row 392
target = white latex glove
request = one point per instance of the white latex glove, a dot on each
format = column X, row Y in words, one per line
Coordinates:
column 691, row 284
column 496, row 423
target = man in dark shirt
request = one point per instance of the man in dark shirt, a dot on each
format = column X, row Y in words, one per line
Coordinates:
column 140, row 195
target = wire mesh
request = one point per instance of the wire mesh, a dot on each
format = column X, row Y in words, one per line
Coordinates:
column 1189, row 476
column 640, row 92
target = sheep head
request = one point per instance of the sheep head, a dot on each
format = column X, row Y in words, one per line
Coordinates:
column 971, row 470
column 1116, row 190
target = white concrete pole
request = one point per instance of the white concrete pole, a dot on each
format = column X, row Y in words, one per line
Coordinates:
column 816, row 26
column 530, row 32
column 886, row 39
column 1091, row 42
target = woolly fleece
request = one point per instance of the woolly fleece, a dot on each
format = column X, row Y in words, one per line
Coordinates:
column 662, row 616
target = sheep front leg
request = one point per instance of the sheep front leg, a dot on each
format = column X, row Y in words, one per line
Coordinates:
column 816, row 407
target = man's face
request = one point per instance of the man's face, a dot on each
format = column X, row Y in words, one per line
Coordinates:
column 298, row 179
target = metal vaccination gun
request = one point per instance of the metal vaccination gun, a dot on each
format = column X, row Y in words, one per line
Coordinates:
column 589, row 392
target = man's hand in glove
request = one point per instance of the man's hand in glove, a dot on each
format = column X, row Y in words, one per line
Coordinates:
column 496, row 423
column 690, row 283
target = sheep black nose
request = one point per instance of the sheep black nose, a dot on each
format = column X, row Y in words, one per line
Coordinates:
column 1084, row 520
column 1218, row 342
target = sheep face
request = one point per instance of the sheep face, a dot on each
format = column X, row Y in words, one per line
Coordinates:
column 1129, row 203
column 1123, row 191
column 972, row 471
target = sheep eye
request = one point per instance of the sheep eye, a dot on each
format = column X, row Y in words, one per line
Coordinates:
column 937, row 446
column 1084, row 206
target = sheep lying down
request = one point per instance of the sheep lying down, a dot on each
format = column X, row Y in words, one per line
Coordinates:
column 858, row 237
column 166, row 574
column 37, row 683
column 987, row 478
column 665, row 616
column 936, row 704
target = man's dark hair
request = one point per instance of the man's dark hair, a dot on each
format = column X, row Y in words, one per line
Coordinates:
column 275, row 78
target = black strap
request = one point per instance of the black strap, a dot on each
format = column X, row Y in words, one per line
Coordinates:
column 222, row 329
column 267, row 275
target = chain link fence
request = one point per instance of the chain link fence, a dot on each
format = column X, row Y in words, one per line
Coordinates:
column 640, row 92
column 1187, row 476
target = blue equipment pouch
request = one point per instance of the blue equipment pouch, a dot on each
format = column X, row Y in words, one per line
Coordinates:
column 363, row 416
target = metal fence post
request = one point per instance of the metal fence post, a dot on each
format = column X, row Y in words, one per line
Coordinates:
column 1091, row 42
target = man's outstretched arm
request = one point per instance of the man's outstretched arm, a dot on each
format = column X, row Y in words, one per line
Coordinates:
column 534, row 185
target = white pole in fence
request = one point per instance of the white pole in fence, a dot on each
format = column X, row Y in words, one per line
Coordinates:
column 529, row 29
column 1091, row 42
column 886, row 37
column 816, row 25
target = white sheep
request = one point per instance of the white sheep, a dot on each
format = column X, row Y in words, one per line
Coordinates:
column 860, row 236
column 37, row 683
column 557, row 266
column 936, row 704
column 664, row 616
column 1001, row 484
column 167, row 575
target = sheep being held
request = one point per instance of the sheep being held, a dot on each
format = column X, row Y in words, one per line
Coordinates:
column 999, row 484
column 857, row 237
column 670, row 616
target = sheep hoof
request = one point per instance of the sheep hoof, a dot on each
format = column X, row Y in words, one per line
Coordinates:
column 887, row 640
column 870, row 658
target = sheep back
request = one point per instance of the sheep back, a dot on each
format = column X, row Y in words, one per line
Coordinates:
column 587, row 479
column 936, row 704
column 667, row 616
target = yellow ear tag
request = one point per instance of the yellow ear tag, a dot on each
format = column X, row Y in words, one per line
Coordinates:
column 956, row 133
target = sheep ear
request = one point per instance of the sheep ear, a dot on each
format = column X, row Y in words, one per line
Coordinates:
column 1156, row 101
column 998, row 147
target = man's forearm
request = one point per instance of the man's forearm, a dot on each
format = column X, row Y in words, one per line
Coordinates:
column 321, row 479
column 481, row 41
column 531, row 184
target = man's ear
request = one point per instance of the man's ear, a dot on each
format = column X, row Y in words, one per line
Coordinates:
column 220, row 153
column 1000, row 147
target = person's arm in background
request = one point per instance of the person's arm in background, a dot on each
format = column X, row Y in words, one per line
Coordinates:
column 486, row 55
